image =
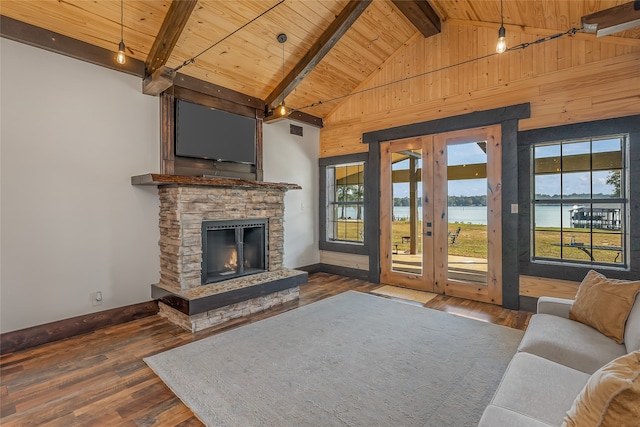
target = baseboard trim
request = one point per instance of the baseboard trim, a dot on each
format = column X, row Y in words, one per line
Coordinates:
column 528, row 303
column 312, row 268
column 37, row 335
column 353, row 273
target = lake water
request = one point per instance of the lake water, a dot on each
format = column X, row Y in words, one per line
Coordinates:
column 546, row 216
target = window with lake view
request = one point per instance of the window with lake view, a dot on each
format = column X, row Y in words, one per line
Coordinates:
column 345, row 202
column 579, row 201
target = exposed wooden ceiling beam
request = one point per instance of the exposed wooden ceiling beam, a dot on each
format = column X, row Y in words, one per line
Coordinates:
column 296, row 116
column 22, row 32
column 421, row 15
column 212, row 89
column 320, row 48
column 299, row 116
column 157, row 79
column 613, row 20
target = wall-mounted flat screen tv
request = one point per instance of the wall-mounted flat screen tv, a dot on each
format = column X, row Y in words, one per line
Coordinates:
column 207, row 133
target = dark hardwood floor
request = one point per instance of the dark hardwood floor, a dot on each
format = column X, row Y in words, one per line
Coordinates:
column 100, row 379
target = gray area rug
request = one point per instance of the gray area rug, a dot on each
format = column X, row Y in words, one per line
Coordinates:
column 350, row 360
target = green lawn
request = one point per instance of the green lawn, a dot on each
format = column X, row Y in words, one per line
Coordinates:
column 472, row 240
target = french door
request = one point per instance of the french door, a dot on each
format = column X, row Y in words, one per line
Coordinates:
column 441, row 213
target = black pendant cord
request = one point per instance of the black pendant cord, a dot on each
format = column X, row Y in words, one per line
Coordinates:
column 570, row 32
column 193, row 59
column 282, row 70
column 121, row 20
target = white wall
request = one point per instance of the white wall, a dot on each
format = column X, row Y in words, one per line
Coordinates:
column 70, row 221
column 72, row 134
column 294, row 159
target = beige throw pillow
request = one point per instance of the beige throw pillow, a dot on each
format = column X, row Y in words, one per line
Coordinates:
column 604, row 304
column 611, row 397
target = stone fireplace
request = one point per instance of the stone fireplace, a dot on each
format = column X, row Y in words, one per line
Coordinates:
column 221, row 249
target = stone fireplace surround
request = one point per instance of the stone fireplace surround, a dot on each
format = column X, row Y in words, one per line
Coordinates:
column 185, row 202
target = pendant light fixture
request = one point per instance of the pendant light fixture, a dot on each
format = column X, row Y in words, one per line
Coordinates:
column 502, row 42
column 281, row 110
column 121, row 58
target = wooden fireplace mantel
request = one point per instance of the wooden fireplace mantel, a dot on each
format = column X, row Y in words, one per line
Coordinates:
column 158, row 179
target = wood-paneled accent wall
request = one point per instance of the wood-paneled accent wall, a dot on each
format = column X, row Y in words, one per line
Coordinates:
column 566, row 80
column 536, row 287
column 355, row 261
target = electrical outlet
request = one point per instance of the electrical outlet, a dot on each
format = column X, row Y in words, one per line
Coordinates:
column 96, row 298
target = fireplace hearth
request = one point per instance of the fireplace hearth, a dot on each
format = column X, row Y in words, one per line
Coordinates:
column 234, row 248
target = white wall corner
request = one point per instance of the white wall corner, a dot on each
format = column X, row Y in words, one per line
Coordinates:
column 294, row 159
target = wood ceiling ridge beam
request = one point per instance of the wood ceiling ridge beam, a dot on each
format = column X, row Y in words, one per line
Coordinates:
column 318, row 50
column 157, row 77
column 624, row 41
column 421, row 15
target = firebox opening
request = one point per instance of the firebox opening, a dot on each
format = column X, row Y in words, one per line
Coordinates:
column 233, row 248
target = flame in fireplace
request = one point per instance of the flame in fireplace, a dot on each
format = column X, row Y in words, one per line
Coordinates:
column 232, row 264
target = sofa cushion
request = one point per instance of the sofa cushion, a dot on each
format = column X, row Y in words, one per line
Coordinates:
column 538, row 388
column 632, row 329
column 611, row 397
column 495, row 416
column 569, row 343
column 604, row 304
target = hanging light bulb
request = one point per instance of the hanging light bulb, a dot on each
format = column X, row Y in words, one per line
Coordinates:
column 501, row 47
column 281, row 110
column 121, row 57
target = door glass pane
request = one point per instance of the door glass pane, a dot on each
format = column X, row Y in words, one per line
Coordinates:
column 467, row 212
column 406, row 219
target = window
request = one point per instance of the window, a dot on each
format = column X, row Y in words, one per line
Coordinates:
column 579, row 201
column 345, row 202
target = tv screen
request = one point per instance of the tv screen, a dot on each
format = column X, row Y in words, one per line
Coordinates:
column 207, row 133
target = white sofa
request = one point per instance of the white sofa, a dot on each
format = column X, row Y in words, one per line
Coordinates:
column 554, row 361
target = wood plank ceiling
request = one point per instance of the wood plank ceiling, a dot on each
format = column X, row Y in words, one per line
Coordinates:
column 250, row 60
